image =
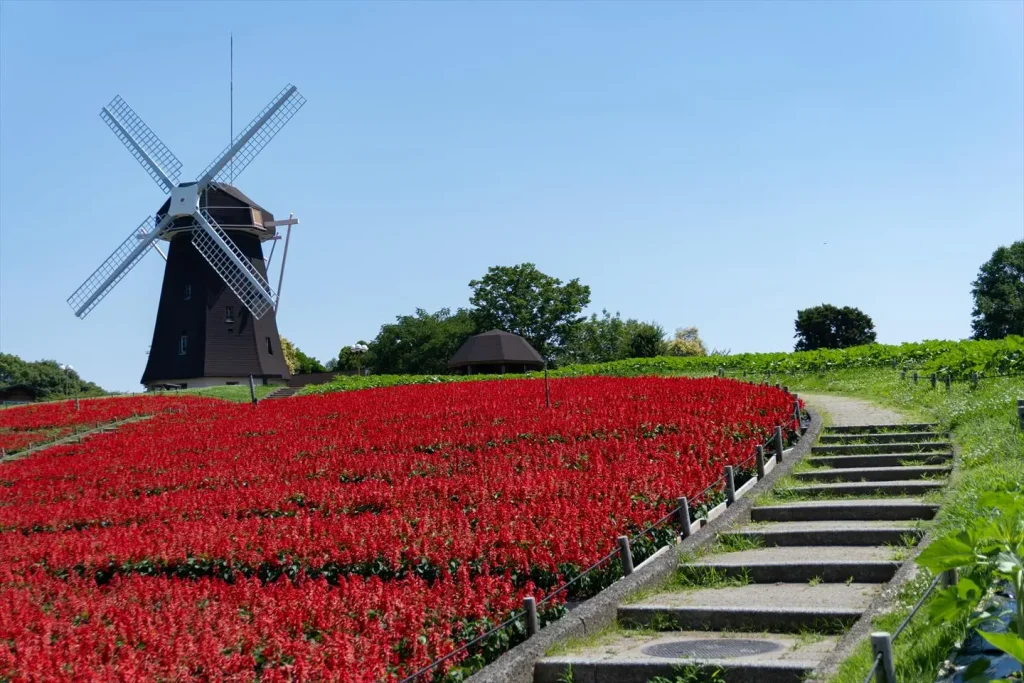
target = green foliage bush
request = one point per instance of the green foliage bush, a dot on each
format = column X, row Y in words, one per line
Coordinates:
column 957, row 359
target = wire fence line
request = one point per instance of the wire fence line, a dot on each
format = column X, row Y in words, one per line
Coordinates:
column 674, row 512
column 884, row 667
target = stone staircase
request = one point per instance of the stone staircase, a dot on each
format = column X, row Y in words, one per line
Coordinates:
column 283, row 392
column 773, row 596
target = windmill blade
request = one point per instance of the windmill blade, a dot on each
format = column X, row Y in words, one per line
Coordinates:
column 231, row 265
column 159, row 162
column 117, row 265
column 251, row 141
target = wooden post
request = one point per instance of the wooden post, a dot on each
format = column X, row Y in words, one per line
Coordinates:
column 1020, row 412
column 252, row 389
column 933, row 379
column 946, row 380
column 778, row 445
column 974, row 379
column 915, row 376
column 760, row 462
column 684, row 517
column 730, row 485
column 625, row 555
column 881, row 644
column 77, row 407
column 530, row 605
column 547, row 390
column 950, row 577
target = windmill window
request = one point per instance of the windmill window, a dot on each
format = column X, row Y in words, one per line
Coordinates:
column 229, row 315
column 188, row 292
column 270, row 349
column 183, row 344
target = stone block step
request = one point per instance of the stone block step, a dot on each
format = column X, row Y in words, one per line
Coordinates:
column 779, row 608
column 879, row 459
column 740, row 657
column 884, row 437
column 830, row 532
column 880, row 428
column 870, row 488
column 870, row 474
column 885, row 509
column 867, row 448
column 827, row 564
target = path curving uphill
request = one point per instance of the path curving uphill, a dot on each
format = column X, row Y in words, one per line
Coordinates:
column 791, row 589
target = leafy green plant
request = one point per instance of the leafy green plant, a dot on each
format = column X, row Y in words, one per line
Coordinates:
column 990, row 550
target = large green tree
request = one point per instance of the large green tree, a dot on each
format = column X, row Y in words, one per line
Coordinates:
column 830, row 327
column 608, row 337
column 999, row 294
column 298, row 362
column 46, row 377
column 522, row 300
column 686, row 342
column 421, row 343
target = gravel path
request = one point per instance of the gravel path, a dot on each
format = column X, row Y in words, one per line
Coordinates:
column 851, row 412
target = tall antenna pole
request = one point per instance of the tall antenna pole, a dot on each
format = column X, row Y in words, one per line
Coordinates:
column 231, row 173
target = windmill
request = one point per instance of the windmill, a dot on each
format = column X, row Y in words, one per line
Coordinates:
column 216, row 320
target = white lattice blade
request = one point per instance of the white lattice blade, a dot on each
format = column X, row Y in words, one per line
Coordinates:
column 251, row 141
column 158, row 161
column 228, row 261
column 115, row 267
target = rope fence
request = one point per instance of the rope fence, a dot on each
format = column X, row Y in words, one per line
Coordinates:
column 883, row 670
column 623, row 549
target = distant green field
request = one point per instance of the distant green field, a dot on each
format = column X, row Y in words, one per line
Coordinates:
column 958, row 360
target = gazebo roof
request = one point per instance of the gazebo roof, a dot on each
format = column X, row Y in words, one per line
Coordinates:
column 493, row 348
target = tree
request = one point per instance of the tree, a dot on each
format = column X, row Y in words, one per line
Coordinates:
column 644, row 340
column 46, row 377
column 829, row 327
column 999, row 294
column 298, row 362
column 522, row 300
column 421, row 344
column 686, row 342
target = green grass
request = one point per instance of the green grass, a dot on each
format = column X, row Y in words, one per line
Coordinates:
column 237, row 392
column 983, row 423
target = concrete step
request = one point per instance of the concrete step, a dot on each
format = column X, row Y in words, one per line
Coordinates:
column 879, row 459
column 880, row 428
column 830, row 533
column 778, row 608
column 874, row 473
column 283, row 392
column 870, row 488
column 828, row 564
column 885, row 448
column 883, row 437
column 885, row 509
column 740, row 657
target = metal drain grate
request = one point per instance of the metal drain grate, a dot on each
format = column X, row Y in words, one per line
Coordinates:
column 711, row 648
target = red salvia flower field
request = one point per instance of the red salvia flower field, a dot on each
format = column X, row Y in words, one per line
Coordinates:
column 348, row 537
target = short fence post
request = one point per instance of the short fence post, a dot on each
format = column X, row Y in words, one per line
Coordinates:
column 530, row 605
column 252, row 389
column 796, row 410
column 778, row 445
column 946, row 380
column 626, row 555
column 684, row 517
column 974, row 379
column 77, row 407
column 778, row 385
column 721, row 372
column 730, row 485
column 744, row 375
column 903, row 373
column 785, row 388
column 915, row 376
column 950, row 577
column 760, row 462
column 933, row 379
column 881, row 644
column 1020, row 412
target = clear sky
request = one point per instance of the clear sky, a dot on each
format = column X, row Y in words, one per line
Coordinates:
column 718, row 165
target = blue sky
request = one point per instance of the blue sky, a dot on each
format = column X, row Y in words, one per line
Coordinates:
column 718, row 165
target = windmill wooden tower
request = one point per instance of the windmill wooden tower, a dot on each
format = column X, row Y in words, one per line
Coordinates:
column 216, row 321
